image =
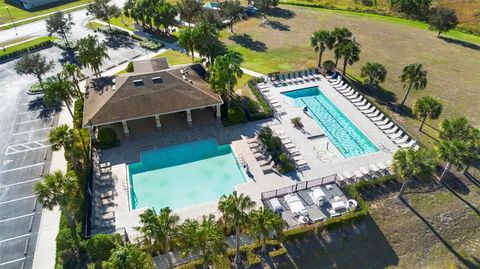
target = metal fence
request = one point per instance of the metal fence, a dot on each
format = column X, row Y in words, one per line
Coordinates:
column 298, row 187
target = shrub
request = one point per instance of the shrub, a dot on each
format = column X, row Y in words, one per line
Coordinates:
column 284, row 165
column 279, row 252
column 329, row 66
column 137, row 37
column 235, row 115
column 112, row 31
column 107, row 138
column 267, row 111
column 99, row 247
column 191, row 265
column 129, row 68
column 297, row 122
column 24, row 48
column 252, row 106
column 151, row 45
column 63, row 45
column 78, row 113
column 221, row 262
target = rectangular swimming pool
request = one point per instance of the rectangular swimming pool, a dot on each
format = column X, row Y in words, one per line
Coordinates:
column 346, row 136
column 183, row 175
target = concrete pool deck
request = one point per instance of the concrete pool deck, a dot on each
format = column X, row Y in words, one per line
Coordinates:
column 321, row 162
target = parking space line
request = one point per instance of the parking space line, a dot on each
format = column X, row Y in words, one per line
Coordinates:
column 28, row 121
column 19, row 183
column 35, row 111
column 12, row 261
column 17, row 217
column 18, row 199
column 6, row 69
column 16, row 237
column 27, row 146
column 21, row 167
column 31, row 131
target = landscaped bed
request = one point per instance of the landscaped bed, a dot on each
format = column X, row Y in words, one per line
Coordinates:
column 17, row 50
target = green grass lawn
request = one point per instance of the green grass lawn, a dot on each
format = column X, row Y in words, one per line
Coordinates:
column 124, row 22
column 19, row 13
column 24, row 45
column 176, row 58
column 14, row 41
column 93, row 25
column 452, row 65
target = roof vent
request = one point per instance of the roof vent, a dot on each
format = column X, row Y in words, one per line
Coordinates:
column 157, row 80
column 138, row 82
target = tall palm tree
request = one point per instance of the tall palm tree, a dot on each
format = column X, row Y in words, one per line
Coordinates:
column 415, row 77
column 56, row 189
column 91, row 53
column 320, row 41
column 265, row 224
column 64, row 137
column 74, row 72
column 235, row 210
column 160, row 228
column 350, row 51
column 411, row 164
column 459, row 128
column 204, row 237
column 224, row 74
column 129, row 256
column 373, row 73
column 456, row 153
column 341, row 35
column 186, row 40
column 427, row 106
column 58, row 90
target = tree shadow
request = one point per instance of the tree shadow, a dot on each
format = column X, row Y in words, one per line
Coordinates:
column 276, row 25
column 382, row 95
column 461, row 43
column 280, row 13
column 472, row 179
column 434, row 128
column 361, row 245
column 44, row 112
column 455, row 186
column 118, row 41
column 427, row 134
column 246, row 41
column 69, row 57
column 465, row 262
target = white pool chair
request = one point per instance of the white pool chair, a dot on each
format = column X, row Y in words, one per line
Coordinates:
column 373, row 114
column 345, row 90
column 378, row 118
column 349, row 93
column 338, row 82
column 367, row 106
column 374, row 168
column 358, row 174
column 343, row 87
column 357, row 100
column 388, row 126
column 362, row 103
column 385, row 121
column 365, row 171
column 401, row 140
column 369, row 111
column 396, row 135
column 391, row 130
column 353, row 96
column 411, row 143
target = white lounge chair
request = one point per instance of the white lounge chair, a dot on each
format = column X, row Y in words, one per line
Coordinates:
column 365, row 107
column 396, row 135
column 345, row 90
column 369, row 111
column 392, row 130
column 408, row 145
column 401, row 140
column 383, row 122
column 374, row 114
column 350, row 93
column 351, row 97
column 295, row 204
column 357, row 100
column 343, row 87
column 360, row 103
column 276, row 206
column 388, row 126
column 378, row 118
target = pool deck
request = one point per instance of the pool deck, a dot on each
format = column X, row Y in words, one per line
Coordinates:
column 322, row 162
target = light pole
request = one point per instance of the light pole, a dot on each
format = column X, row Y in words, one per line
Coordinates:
column 10, row 14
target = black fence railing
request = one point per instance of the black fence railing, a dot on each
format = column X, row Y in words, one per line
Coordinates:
column 303, row 185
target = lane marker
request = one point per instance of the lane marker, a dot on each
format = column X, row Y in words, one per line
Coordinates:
column 35, row 111
column 21, row 167
column 17, row 217
column 18, row 199
column 32, row 131
column 16, row 237
column 28, row 121
column 6, row 69
column 27, row 146
column 12, row 261
column 19, row 183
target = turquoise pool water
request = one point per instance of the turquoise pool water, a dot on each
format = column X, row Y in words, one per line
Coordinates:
column 183, row 175
column 346, row 136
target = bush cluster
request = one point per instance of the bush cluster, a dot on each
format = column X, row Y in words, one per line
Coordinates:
column 235, row 115
column 63, row 45
column 78, row 111
column 112, row 30
column 107, row 138
column 151, row 45
column 129, row 68
column 267, row 111
column 14, row 53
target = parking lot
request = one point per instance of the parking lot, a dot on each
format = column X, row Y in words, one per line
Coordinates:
column 25, row 151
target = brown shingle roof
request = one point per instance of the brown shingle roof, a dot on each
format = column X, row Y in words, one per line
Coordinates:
column 106, row 103
column 150, row 65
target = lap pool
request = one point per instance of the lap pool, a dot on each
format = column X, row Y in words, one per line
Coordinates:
column 346, row 136
column 183, row 175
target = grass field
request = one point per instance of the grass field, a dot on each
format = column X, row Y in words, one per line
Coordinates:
column 176, row 58
column 19, row 13
column 24, row 45
column 452, row 65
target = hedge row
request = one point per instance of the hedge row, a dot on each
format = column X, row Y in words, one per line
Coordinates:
column 23, row 48
column 267, row 111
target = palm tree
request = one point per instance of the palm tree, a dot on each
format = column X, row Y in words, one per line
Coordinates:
column 63, row 137
column 341, row 35
column 265, row 224
column 456, row 153
column 58, row 90
column 74, row 72
column 160, row 228
column 320, row 41
column 204, row 237
column 373, row 73
column 411, row 164
column 350, row 51
column 427, row 106
column 415, row 77
column 224, row 74
column 129, row 256
column 459, row 128
column 56, row 189
column 235, row 210
column 186, row 40
column 91, row 53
